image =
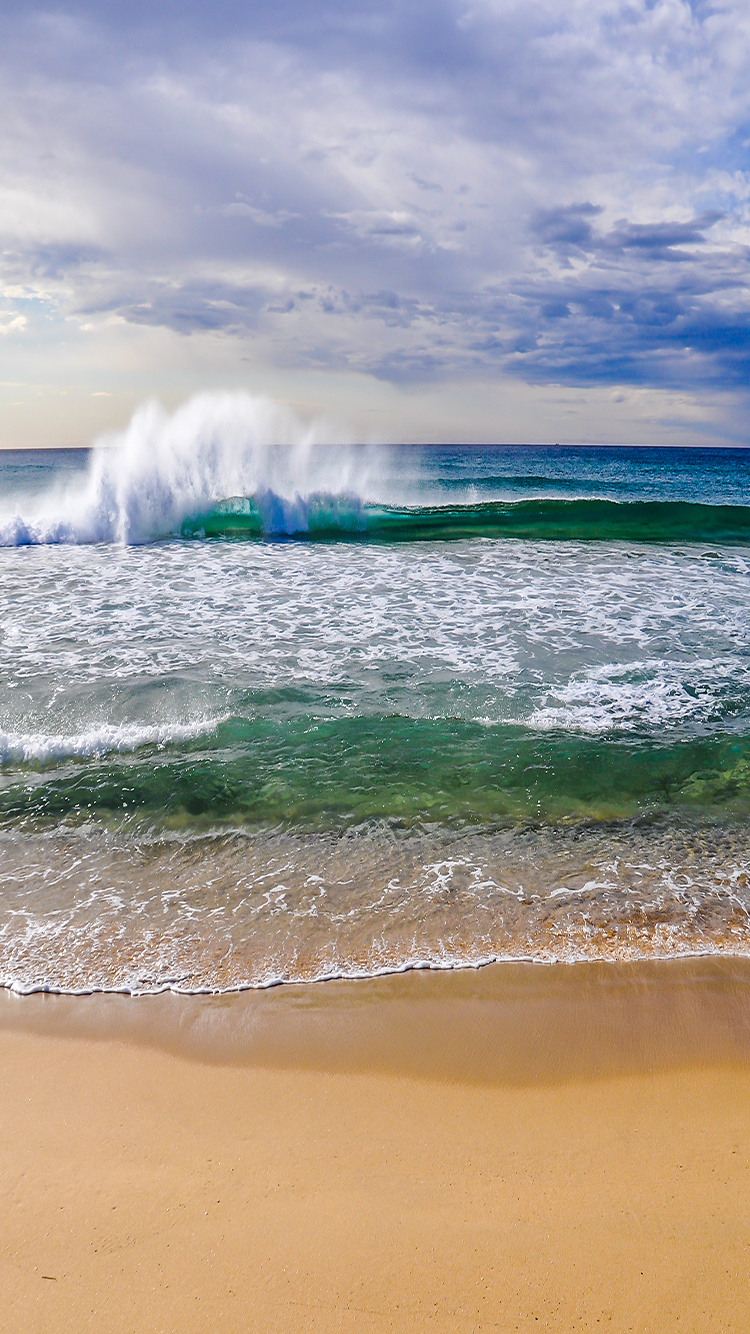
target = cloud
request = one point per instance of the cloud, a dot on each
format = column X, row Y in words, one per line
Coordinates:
column 417, row 191
column 10, row 322
column 567, row 229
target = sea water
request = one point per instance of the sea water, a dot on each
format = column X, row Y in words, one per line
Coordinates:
column 275, row 710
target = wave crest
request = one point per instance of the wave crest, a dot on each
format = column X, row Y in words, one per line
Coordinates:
column 107, row 739
column 326, row 517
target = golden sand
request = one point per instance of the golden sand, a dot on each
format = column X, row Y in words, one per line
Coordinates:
column 503, row 1151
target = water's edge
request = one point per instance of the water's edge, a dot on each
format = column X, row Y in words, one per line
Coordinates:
column 505, row 1024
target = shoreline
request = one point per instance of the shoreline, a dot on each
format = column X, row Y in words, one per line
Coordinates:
column 513, row 1149
column 511, row 1022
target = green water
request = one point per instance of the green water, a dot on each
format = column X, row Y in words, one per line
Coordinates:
column 308, row 773
column 330, row 518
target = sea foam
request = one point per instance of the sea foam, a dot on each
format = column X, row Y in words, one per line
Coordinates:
column 107, row 739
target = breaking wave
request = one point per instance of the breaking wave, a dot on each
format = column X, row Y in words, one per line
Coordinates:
column 142, row 484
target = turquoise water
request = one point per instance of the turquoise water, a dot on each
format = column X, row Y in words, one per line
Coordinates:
column 279, row 714
column 327, row 518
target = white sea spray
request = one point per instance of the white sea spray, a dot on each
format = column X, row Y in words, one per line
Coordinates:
column 143, row 482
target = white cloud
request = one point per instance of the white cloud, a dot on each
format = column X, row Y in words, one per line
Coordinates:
column 10, row 323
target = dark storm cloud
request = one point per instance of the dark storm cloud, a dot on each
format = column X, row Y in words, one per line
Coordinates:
column 566, row 229
column 664, row 240
column 630, row 314
column 415, row 190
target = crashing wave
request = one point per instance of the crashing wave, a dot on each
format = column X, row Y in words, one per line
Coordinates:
column 143, row 483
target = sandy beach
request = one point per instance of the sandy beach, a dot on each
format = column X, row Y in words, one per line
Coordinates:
column 513, row 1149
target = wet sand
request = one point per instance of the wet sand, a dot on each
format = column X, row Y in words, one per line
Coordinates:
column 516, row 1148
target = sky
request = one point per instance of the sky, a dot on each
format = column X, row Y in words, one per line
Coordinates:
column 492, row 220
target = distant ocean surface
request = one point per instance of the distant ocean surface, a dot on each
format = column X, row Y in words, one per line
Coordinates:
column 276, row 711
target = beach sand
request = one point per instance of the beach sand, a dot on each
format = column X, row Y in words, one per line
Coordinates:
column 513, row 1149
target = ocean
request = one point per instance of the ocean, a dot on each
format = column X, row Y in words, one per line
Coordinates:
column 277, row 710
